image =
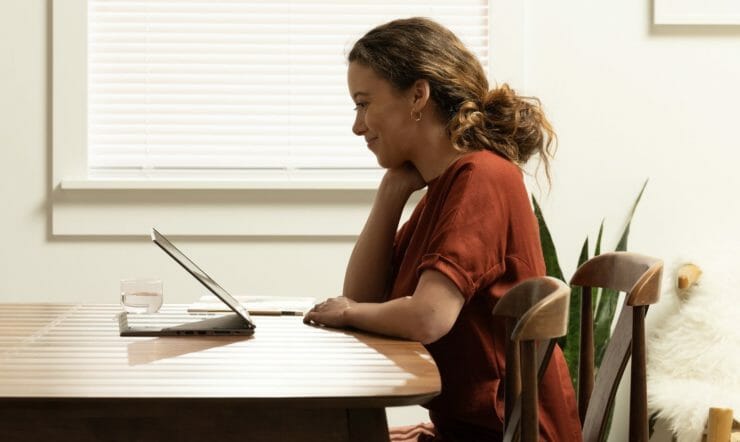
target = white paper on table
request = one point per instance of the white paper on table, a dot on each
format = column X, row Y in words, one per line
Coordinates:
column 257, row 305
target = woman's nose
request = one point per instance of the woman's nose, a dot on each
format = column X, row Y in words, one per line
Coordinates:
column 359, row 127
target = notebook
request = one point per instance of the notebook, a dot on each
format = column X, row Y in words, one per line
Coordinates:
column 236, row 323
column 257, row 305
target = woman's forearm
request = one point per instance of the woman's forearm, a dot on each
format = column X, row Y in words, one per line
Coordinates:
column 369, row 265
column 397, row 318
column 426, row 316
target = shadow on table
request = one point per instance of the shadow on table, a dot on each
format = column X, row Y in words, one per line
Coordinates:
column 405, row 354
column 152, row 350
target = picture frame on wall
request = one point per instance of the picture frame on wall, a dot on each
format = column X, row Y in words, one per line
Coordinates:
column 696, row 12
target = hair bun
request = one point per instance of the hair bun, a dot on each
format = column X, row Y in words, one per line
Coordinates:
column 500, row 96
column 472, row 113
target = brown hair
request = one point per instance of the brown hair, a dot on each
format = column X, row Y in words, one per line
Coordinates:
column 499, row 120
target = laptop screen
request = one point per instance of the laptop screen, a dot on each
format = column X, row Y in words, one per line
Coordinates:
column 200, row 275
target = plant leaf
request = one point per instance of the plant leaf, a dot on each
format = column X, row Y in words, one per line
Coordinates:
column 622, row 244
column 552, row 265
column 603, row 323
column 595, row 292
column 571, row 342
column 597, row 249
column 609, row 298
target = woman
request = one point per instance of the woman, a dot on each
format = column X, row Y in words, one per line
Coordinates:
column 425, row 111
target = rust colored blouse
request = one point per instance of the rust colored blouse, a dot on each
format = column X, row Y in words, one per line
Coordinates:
column 475, row 225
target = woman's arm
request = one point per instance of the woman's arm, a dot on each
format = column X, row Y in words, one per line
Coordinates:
column 425, row 317
column 369, row 265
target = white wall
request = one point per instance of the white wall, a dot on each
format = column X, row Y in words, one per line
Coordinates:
column 633, row 101
column 38, row 266
column 630, row 101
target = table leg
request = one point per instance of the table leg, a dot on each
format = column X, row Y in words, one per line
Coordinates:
column 184, row 420
column 367, row 425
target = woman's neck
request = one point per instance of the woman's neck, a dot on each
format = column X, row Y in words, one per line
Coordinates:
column 435, row 154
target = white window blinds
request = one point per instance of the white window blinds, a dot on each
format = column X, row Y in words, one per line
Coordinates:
column 236, row 88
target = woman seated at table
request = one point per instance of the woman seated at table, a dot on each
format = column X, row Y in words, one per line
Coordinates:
column 424, row 107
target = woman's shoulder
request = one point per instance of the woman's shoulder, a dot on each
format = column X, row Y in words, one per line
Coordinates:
column 487, row 165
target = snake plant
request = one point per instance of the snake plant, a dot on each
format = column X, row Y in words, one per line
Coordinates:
column 604, row 303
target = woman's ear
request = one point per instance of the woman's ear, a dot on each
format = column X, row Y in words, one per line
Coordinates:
column 420, row 91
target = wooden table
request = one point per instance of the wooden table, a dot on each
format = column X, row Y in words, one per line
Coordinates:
column 66, row 374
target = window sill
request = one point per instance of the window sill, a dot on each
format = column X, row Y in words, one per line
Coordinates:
column 115, row 208
column 194, row 184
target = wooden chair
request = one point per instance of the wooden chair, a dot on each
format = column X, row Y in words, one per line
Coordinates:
column 640, row 277
column 534, row 310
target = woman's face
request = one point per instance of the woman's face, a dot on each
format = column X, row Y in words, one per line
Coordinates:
column 383, row 116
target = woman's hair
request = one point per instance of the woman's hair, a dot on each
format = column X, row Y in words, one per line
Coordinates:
column 499, row 120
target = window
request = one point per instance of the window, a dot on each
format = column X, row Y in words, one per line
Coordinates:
column 238, row 89
column 137, row 141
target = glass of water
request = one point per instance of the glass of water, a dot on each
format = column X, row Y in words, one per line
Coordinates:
column 141, row 295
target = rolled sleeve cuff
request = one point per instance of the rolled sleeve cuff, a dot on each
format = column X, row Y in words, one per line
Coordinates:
column 451, row 270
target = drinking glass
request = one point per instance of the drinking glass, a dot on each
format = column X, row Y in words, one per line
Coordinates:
column 141, row 295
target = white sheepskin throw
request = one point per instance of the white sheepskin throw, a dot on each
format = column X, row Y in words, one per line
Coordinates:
column 693, row 353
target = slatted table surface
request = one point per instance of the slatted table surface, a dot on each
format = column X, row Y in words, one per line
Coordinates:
column 64, row 370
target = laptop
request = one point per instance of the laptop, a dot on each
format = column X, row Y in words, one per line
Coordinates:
column 163, row 324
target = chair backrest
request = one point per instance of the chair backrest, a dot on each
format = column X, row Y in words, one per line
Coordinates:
column 639, row 277
column 535, row 310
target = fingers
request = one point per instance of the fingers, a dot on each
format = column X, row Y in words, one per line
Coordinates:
column 308, row 318
column 321, row 307
column 312, row 316
column 326, row 313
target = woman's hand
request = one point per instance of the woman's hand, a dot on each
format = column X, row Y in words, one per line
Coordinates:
column 331, row 313
column 406, row 178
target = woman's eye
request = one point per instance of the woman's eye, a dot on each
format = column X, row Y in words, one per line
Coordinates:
column 359, row 106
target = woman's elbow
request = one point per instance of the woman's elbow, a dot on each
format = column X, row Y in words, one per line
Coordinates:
column 430, row 329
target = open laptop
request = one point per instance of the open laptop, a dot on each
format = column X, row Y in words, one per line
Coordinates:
column 237, row 323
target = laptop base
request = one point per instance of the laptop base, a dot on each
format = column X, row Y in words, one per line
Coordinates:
column 227, row 325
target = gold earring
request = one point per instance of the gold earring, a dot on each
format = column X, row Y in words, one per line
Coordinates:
column 416, row 118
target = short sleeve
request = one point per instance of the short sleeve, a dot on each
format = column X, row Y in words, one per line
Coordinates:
column 468, row 241
column 401, row 241
column 403, row 236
